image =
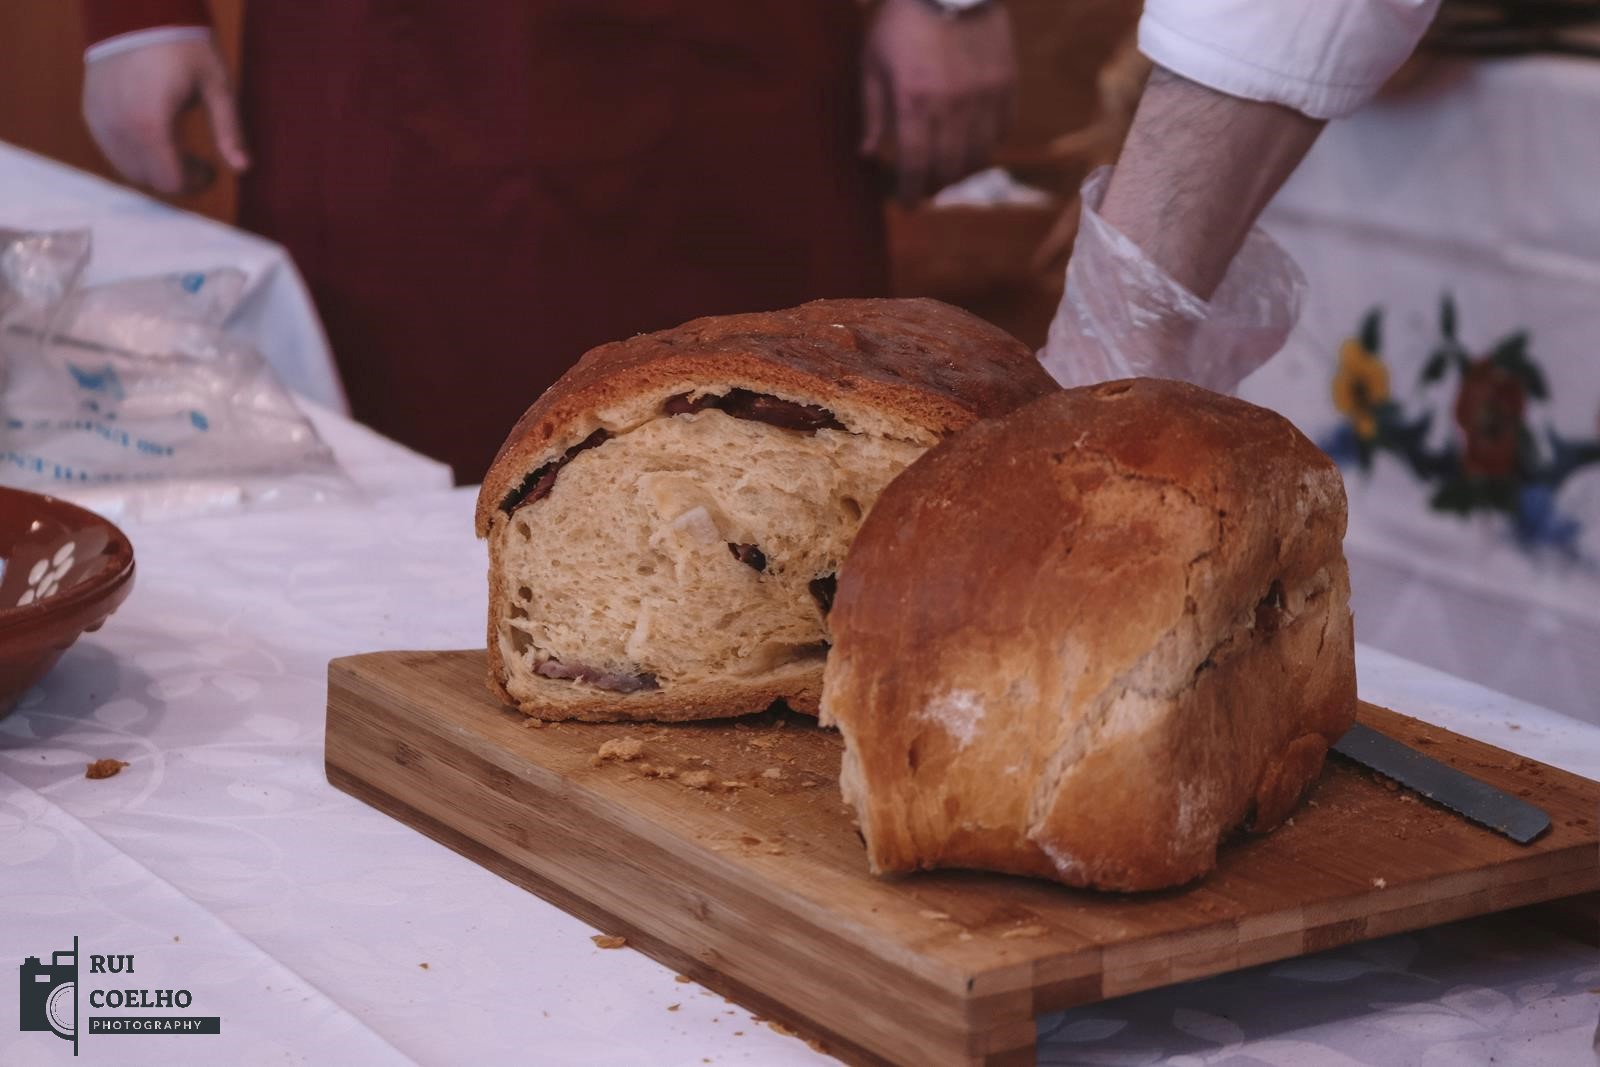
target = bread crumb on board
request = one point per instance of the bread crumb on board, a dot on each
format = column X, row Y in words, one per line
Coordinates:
column 1031, row 930
column 930, row 914
column 774, row 773
column 608, row 941
column 1380, row 883
column 531, row 723
column 621, row 749
column 697, row 779
column 104, row 768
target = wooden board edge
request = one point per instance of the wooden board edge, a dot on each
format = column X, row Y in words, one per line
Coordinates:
column 363, row 754
column 365, row 704
column 827, row 1041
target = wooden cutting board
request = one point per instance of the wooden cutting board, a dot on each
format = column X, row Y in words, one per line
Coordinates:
column 723, row 850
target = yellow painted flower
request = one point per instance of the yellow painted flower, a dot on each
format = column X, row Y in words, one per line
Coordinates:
column 1361, row 385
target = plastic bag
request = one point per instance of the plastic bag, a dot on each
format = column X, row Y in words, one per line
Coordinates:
column 130, row 398
column 1122, row 316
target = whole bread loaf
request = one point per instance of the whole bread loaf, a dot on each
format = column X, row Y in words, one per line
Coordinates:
column 666, row 521
column 1088, row 640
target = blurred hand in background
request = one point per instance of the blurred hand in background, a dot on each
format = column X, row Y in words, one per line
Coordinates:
column 938, row 89
column 133, row 98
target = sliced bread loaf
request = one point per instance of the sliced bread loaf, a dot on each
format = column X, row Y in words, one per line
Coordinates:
column 666, row 521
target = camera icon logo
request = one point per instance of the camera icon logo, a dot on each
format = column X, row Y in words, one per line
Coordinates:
column 50, row 995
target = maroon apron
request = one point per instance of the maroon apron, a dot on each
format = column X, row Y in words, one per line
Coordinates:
column 479, row 192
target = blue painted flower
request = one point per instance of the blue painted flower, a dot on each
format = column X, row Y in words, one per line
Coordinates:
column 1342, row 445
column 1538, row 521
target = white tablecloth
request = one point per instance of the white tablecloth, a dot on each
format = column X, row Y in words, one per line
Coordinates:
column 136, row 236
column 322, row 932
column 1482, row 186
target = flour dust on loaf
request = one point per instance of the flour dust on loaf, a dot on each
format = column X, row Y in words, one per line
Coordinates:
column 1088, row 640
column 666, row 523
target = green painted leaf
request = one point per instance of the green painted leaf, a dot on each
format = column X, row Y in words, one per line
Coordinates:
column 1437, row 364
column 1512, row 352
column 1364, row 452
column 1457, row 495
column 1500, row 493
column 1372, row 331
column 1533, row 379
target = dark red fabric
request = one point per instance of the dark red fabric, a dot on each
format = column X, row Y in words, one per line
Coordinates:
column 112, row 18
column 478, row 193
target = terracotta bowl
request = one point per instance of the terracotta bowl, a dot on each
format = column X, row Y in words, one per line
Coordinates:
column 65, row 570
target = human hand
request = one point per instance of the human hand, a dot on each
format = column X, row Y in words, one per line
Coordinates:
column 132, row 101
column 937, row 91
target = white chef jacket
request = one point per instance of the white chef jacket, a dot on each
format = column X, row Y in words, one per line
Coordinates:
column 1324, row 58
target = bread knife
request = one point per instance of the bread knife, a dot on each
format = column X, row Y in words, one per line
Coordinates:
column 1444, row 785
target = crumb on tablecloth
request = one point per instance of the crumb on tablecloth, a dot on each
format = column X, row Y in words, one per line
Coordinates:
column 682, row 978
column 104, row 768
column 608, row 941
column 673, row 1007
column 424, row 966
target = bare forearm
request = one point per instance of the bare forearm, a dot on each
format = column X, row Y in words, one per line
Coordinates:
column 1197, row 169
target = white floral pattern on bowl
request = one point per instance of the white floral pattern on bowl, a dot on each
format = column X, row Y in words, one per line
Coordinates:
column 45, row 576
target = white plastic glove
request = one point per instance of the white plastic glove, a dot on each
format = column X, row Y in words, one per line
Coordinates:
column 1122, row 316
column 132, row 100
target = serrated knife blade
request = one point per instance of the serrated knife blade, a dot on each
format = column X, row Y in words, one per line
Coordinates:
column 1444, row 785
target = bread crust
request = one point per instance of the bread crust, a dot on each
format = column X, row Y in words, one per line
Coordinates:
column 1151, row 648
column 931, row 367
column 912, row 369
